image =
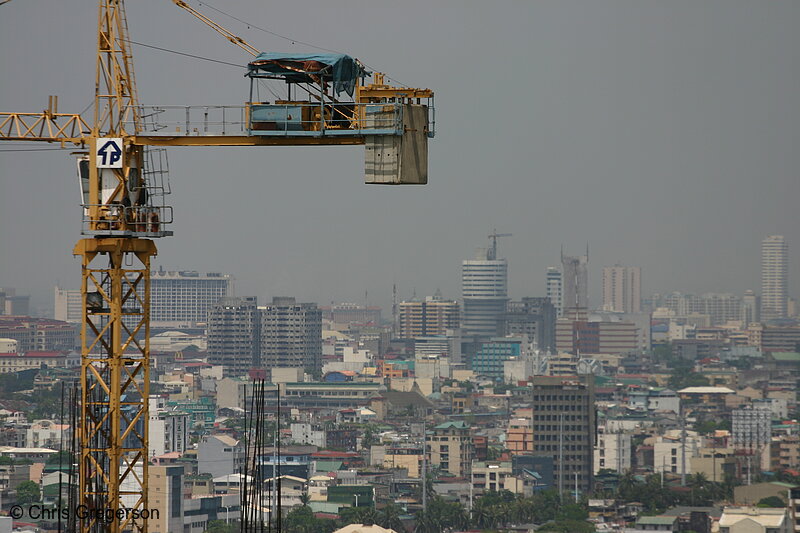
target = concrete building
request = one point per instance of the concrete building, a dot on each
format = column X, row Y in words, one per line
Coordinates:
column 555, row 289
column 404, row 456
column 582, row 337
column 754, row 520
column 68, row 305
column 774, row 277
column 534, row 318
column 612, row 451
column 182, row 299
column 220, row 455
column 564, row 427
column 450, row 448
column 673, row 453
column 351, row 313
column 165, row 496
column 39, row 334
column 428, row 317
column 169, row 432
column 16, row 362
column 622, row 289
column 575, row 279
column 291, row 335
column 488, row 360
column 234, row 332
column 484, row 289
column 492, row 476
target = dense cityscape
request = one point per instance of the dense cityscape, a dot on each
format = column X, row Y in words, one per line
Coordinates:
column 480, row 411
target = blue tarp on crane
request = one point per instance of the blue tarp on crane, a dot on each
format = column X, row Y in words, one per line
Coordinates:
column 340, row 69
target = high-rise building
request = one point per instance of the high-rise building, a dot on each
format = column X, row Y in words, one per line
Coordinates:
column 622, row 289
column 183, row 299
column 489, row 359
column 555, row 289
column 68, row 305
column 350, row 313
column 580, row 337
column 534, row 317
column 484, row 288
column 774, row 277
column 291, row 335
column 564, row 427
column 233, row 335
column 575, row 282
column 431, row 316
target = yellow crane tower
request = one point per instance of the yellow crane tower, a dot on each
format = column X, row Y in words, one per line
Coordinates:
column 123, row 211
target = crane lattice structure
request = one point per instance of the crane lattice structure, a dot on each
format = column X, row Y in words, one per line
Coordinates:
column 123, row 211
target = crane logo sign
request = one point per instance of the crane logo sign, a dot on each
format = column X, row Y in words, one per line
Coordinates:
column 109, row 152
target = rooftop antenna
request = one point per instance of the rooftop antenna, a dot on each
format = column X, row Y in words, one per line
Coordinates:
column 492, row 255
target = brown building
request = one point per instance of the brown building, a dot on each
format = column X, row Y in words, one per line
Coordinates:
column 431, row 316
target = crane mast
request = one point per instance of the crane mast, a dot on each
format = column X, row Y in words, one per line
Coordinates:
column 115, row 289
column 121, row 217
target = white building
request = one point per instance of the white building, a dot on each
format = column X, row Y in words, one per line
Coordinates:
column 169, row 432
column 670, row 450
column 68, row 305
column 183, row 299
column 612, row 451
column 622, row 289
column 754, row 520
column 774, row 277
column 484, row 288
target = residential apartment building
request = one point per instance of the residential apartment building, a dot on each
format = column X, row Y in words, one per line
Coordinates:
column 774, row 277
column 612, row 450
column 429, row 317
column 564, row 427
column 291, row 335
column 622, row 289
column 168, row 432
column 581, row 337
column 450, row 448
column 575, row 282
column 233, row 332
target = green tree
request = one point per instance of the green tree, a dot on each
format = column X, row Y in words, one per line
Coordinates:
column 28, row 492
column 771, row 501
column 568, row 526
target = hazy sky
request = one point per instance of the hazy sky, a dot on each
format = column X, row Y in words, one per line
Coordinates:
column 666, row 134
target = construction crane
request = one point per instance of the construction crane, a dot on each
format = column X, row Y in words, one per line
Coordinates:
column 123, row 205
column 492, row 253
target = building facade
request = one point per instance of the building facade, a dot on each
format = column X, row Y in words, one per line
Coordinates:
column 534, row 318
column 484, row 289
column 622, row 289
column 233, row 335
column 450, row 448
column 291, row 335
column 555, row 289
column 428, row 317
column 564, row 427
column 68, row 305
column 182, row 299
column 774, row 277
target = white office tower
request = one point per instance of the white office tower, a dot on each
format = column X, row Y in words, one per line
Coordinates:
column 774, row 277
column 555, row 289
column 183, row 299
column 622, row 289
column 484, row 288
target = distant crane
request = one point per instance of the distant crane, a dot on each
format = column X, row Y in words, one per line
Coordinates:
column 123, row 187
column 492, row 254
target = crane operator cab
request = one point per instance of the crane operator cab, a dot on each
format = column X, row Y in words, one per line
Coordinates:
column 324, row 96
